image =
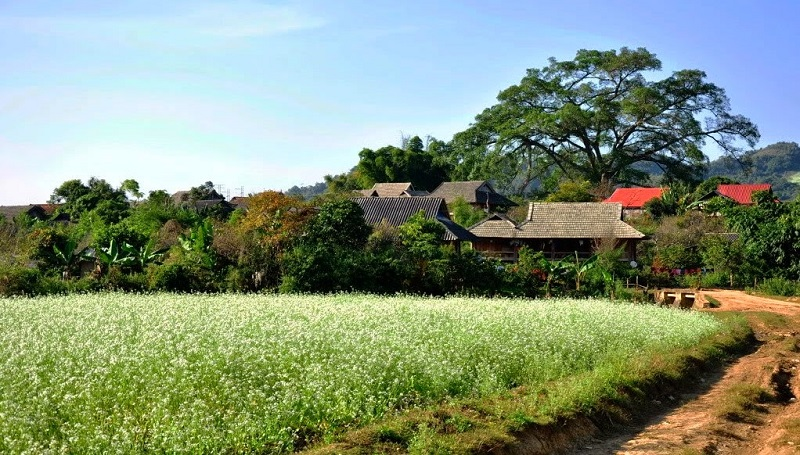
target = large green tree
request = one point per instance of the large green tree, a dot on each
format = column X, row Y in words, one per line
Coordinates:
column 424, row 165
column 593, row 117
column 97, row 196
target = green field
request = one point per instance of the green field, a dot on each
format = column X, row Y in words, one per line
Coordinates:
column 256, row 373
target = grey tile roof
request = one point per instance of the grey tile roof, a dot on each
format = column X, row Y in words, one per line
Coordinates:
column 496, row 225
column 390, row 189
column 240, row 202
column 565, row 220
column 474, row 192
column 9, row 212
column 397, row 210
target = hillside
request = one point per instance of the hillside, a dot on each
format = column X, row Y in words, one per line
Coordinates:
column 778, row 164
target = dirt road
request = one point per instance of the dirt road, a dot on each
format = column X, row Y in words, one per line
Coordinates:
column 693, row 423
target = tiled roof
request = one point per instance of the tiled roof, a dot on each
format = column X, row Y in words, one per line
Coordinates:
column 240, row 201
column 389, row 189
column 39, row 211
column 634, row 198
column 180, row 197
column 496, row 225
column 743, row 193
column 563, row 220
column 474, row 192
column 397, row 210
column 11, row 211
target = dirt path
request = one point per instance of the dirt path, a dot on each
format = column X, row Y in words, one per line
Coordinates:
column 692, row 423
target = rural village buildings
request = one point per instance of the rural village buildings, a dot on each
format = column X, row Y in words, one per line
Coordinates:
column 557, row 229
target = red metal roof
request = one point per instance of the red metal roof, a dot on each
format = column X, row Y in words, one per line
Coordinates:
column 634, row 198
column 742, row 194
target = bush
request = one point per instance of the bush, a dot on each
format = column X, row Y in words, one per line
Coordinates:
column 117, row 280
column 778, row 286
column 181, row 277
column 716, row 279
column 19, row 281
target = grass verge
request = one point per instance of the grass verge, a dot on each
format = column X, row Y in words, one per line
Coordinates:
column 550, row 416
column 743, row 403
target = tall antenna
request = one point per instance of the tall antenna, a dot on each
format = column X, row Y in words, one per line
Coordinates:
column 241, row 191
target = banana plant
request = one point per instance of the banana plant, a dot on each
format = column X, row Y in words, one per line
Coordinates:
column 113, row 255
column 552, row 271
column 68, row 257
column 144, row 255
column 198, row 243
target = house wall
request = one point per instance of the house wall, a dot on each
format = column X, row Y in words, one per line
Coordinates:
column 508, row 249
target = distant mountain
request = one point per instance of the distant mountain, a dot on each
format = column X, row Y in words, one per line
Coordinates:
column 777, row 164
column 308, row 192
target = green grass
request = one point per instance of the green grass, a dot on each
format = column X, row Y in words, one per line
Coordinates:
column 743, row 403
column 272, row 374
column 794, row 178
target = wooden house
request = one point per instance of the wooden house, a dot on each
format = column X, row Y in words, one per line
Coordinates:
column 557, row 229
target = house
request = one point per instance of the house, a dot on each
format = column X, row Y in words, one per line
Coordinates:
column 742, row 194
column 41, row 212
column 478, row 193
column 634, row 199
column 557, row 229
column 240, row 202
column 182, row 198
column 392, row 190
column 397, row 210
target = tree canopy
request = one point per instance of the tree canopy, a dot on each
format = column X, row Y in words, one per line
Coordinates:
column 593, row 117
column 422, row 165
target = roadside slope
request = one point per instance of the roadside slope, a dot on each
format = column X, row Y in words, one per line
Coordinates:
column 703, row 423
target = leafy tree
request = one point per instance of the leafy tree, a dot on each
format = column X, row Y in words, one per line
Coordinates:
column 130, row 186
column 769, row 232
column 345, row 182
column 338, row 222
column 392, row 164
column 464, row 213
column 572, row 191
column 203, row 192
column 275, row 218
column 594, row 116
column 97, row 195
column 330, row 255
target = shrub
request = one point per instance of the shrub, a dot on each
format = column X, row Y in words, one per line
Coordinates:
column 778, row 286
column 19, row 281
column 181, row 277
column 716, row 279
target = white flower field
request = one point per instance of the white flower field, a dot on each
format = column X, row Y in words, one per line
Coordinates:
column 259, row 373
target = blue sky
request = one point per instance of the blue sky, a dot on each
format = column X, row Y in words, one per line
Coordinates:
column 267, row 95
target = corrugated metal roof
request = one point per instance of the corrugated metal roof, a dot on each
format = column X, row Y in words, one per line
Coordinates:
column 742, row 193
column 634, row 198
column 397, row 210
